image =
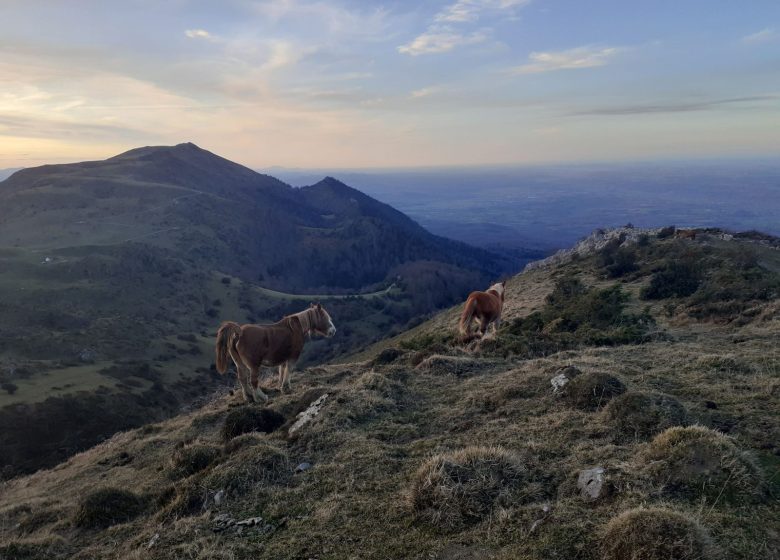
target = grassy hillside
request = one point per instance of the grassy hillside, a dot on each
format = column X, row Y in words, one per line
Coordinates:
column 661, row 441
column 115, row 274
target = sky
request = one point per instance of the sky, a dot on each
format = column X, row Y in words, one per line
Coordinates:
column 361, row 84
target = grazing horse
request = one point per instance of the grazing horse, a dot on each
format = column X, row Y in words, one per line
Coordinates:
column 253, row 346
column 685, row 234
column 484, row 306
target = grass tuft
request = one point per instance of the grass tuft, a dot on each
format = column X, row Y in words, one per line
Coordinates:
column 190, row 459
column 452, row 490
column 639, row 416
column 108, row 506
column 697, row 462
column 250, row 419
column 655, row 534
column 591, row 391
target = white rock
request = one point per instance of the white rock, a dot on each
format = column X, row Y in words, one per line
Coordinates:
column 592, row 483
column 558, row 382
column 308, row 415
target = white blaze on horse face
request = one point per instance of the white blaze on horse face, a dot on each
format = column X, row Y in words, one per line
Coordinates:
column 331, row 327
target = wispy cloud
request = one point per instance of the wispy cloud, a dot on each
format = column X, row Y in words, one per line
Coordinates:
column 676, row 107
column 425, row 92
column 763, row 36
column 445, row 34
column 571, row 59
column 200, row 34
column 470, row 10
column 440, row 39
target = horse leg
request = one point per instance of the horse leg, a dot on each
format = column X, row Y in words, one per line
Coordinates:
column 288, row 366
column 258, row 392
column 483, row 324
column 243, row 379
column 281, row 376
column 496, row 324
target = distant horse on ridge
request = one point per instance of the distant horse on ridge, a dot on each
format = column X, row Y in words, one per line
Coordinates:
column 486, row 307
column 253, row 346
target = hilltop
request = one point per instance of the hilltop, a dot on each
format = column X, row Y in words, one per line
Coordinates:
column 115, row 274
column 626, row 409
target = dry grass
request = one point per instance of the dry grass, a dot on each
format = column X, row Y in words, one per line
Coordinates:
column 655, row 534
column 454, row 489
column 108, row 506
column 637, row 416
column 592, row 390
column 696, row 462
column 189, row 459
column 250, row 418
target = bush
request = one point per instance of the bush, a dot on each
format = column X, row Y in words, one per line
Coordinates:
column 454, row 489
column 667, row 232
column 696, row 462
column 250, row 419
column 676, row 279
column 591, row 391
column 190, row 459
column 638, row 416
column 617, row 261
column 108, row 506
column 654, row 534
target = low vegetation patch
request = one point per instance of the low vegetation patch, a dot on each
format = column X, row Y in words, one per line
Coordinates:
column 188, row 460
column 694, row 462
column 655, row 534
column 456, row 489
column 108, row 506
column 639, row 416
column 574, row 315
column 250, row 419
column 592, row 390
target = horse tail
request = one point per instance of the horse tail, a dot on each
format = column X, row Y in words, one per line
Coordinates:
column 467, row 316
column 227, row 335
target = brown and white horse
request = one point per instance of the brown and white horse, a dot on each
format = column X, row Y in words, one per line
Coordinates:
column 486, row 307
column 254, row 346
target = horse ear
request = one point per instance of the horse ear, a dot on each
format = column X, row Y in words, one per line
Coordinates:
column 503, row 283
column 319, row 306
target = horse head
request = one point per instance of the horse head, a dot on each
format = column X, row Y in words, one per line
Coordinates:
column 321, row 323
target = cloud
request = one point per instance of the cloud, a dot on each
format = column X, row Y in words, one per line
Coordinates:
column 443, row 34
column 470, row 10
column 440, row 39
column 681, row 107
column 571, row 59
column 200, row 34
column 425, row 92
column 763, row 36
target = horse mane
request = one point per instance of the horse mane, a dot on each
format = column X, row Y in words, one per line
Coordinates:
column 304, row 319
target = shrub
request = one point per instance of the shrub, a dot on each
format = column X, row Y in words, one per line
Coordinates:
column 108, row 506
column 454, row 489
column 591, row 391
column 250, row 419
column 638, row 416
column 676, row 279
column 654, row 534
column 190, row 459
column 697, row 462
column 666, row 232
